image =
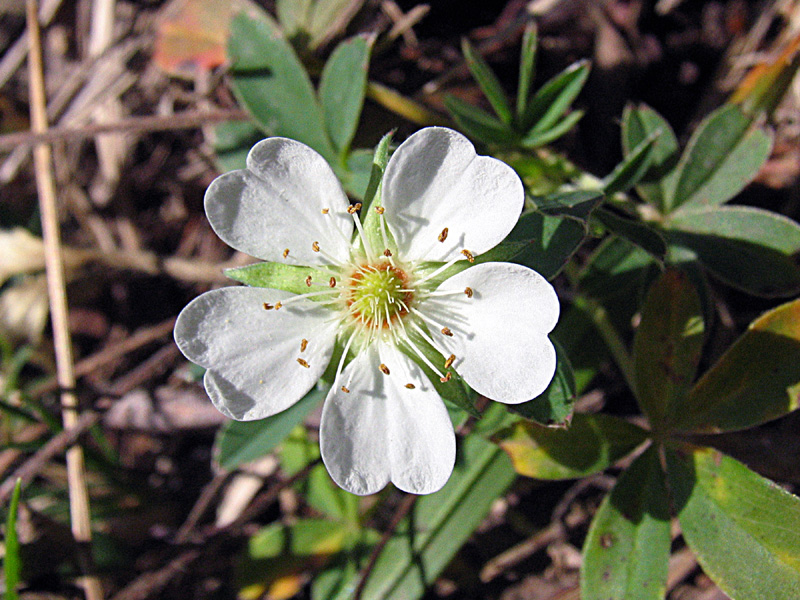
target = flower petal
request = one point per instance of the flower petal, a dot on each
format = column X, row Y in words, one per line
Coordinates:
column 352, row 433
column 422, row 444
column 500, row 333
column 382, row 430
column 435, row 180
column 251, row 353
column 277, row 203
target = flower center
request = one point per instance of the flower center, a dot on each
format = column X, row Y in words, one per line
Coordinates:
column 378, row 295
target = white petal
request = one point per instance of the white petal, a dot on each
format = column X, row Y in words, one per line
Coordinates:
column 422, row 444
column 500, row 334
column 352, row 435
column 381, row 430
column 251, row 353
column 435, row 180
column 277, row 203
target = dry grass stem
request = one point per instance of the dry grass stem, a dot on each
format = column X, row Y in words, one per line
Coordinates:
column 54, row 265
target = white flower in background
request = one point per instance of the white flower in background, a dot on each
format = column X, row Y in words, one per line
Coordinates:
column 382, row 420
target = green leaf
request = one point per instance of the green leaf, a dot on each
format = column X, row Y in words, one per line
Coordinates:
column 636, row 232
column 626, row 553
column 667, row 347
column 232, row 142
column 12, row 565
column 439, row 524
column 550, row 241
column 756, row 380
column 487, row 81
column 633, row 167
column 554, row 98
column 320, row 492
column 239, row 442
column 305, row 537
column 742, row 527
column 356, row 176
column 527, row 66
column 271, row 83
column 276, row 276
column 589, row 445
column 553, row 406
column 722, row 157
column 748, row 248
column 638, row 123
column 571, row 202
column 477, row 123
column 536, row 139
column 617, row 267
column 342, row 87
column 765, row 85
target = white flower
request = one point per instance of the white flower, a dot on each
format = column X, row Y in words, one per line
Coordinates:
column 383, row 419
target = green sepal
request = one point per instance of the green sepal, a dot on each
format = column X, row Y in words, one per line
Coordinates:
column 372, row 198
column 276, row 276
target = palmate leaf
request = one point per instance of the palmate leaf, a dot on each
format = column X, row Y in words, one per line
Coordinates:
column 554, row 98
column 742, row 527
column 626, row 553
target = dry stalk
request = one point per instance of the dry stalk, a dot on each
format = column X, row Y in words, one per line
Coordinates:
column 54, row 265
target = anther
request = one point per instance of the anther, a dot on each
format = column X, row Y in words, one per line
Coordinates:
column 286, row 253
column 387, row 253
column 384, row 369
column 380, row 210
column 449, row 362
column 325, row 211
column 315, row 246
column 308, row 281
column 345, row 390
column 446, row 378
column 355, row 208
column 268, row 306
column 410, row 386
column 469, row 255
column 303, row 363
column 332, row 282
column 304, row 345
column 278, row 305
column 445, row 330
column 468, row 291
column 443, row 235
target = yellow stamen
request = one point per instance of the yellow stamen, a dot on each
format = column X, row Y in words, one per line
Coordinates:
column 468, row 291
column 315, row 246
column 469, row 255
column 303, row 345
column 449, row 362
column 303, row 363
column 384, row 369
column 410, row 386
column 443, row 235
column 445, row 330
column 286, row 253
